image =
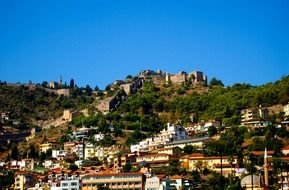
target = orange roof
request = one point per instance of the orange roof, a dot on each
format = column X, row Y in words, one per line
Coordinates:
column 22, row 172
column 176, row 177
column 149, row 155
column 285, row 148
column 161, row 176
column 196, row 155
column 261, row 153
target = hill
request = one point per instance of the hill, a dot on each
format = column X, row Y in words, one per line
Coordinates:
column 30, row 104
column 149, row 108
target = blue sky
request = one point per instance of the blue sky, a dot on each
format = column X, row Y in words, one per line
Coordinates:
column 96, row 42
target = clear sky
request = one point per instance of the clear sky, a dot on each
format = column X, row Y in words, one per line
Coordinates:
column 98, row 41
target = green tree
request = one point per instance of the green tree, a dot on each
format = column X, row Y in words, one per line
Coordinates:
column 212, row 130
column 14, row 152
column 71, row 84
column 88, row 90
column 189, row 149
column 32, row 152
column 173, row 168
column 215, row 82
column 73, row 167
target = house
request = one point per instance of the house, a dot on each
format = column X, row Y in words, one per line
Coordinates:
column 75, row 147
column 81, row 133
column 98, row 137
column 285, row 150
column 67, row 184
column 175, row 150
column 198, row 161
column 44, row 147
column 59, row 154
column 176, row 182
column 108, row 153
column 153, row 183
column 24, row 180
column 256, row 117
column 154, row 160
column 114, row 181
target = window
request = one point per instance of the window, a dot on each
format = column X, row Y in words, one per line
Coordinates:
column 64, row 184
column 73, row 183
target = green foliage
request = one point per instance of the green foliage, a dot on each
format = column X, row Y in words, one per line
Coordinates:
column 7, row 179
column 14, row 152
column 127, row 167
column 107, row 141
column 35, row 103
column 135, row 137
column 212, row 130
column 174, row 168
column 189, row 149
column 73, row 167
column 32, row 153
column 215, row 82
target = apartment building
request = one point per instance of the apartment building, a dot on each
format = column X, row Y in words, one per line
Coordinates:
column 134, row 181
column 154, row 160
column 256, row 117
column 48, row 146
column 68, row 184
column 169, row 134
column 24, row 180
column 198, row 161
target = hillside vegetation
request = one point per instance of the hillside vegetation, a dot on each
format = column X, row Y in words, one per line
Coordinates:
column 29, row 103
column 152, row 106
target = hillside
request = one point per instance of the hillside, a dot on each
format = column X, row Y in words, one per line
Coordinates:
column 32, row 104
column 151, row 107
column 181, row 103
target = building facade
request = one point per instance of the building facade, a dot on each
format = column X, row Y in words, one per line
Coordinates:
column 133, row 181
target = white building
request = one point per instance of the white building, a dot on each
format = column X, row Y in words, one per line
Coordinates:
column 153, row 183
column 67, row 184
column 59, row 153
column 98, row 137
column 169, row 134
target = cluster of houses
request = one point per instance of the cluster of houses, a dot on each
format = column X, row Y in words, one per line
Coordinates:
column 148, row 156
